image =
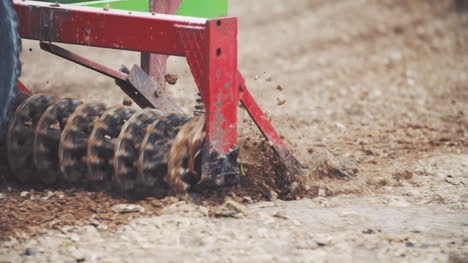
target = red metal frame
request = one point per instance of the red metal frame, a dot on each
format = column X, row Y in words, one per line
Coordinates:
column 155, row 64
column 210, row 46
column 137, row 31
column 22, row 88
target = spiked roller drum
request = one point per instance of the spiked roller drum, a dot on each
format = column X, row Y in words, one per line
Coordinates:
column 54, row 140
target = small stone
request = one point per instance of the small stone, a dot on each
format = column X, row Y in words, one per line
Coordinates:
column 449, row 179
column 231, row 209
column 280, row 101
column 322, row 193
column 102, row 227
column 93, row 221
column 156, row 203
column 170, row 200
column 409, row 244
column 127, row 101
column 273, row 195
column 265, row 218
column 65, row 230
column 247, row 199
column 280, row 214
column 128, row 208
column 279, row 87
column 48, row 195
column 322, row 241
column 296, row 222
column 294, row 186
column 322, row 201
column 237, row 207
column 28, row 252
column 398, row 29
column 74, row 237
column 395, row 57
column 238, row 216
column 368, row 231
column 340, row 125
column 77, row 255
column 24, row 193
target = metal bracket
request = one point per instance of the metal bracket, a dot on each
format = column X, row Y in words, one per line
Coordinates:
column 148, row 88
column 137, row 84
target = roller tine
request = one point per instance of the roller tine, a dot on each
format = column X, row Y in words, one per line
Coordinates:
column 127, row 148
column 47, row 138
column 20, row 136
column 101, row 143
column 74, row 140
column 183, row 147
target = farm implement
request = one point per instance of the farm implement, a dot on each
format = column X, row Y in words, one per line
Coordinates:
column 50, row 140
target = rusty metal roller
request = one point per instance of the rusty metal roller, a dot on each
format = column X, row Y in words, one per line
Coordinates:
column 74, row 140
column 101, row 143
column 47, row 138
column 127, row 147
column 20, row 137
column 57, row 141
column 155, row 149
column 184, row 167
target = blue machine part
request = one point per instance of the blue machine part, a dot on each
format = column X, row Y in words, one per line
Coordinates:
column 10, row 48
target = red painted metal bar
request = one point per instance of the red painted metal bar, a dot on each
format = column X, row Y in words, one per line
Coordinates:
column 265, row 127
column 155, row 64
column 97, row 27
column 222, row 92
column 22, row 88
column 259, row 117
column 212, row 57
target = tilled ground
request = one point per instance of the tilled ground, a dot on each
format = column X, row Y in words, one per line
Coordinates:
column 376, row 88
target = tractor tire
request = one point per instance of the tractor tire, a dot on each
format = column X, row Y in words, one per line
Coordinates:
column 10, row 65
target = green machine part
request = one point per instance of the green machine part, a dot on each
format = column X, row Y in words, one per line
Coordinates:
column 196, row 8
column 203, row 8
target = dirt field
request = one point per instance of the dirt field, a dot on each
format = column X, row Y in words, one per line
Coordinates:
column 381, row 85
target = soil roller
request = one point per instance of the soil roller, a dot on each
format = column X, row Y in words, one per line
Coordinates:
column 53, row 140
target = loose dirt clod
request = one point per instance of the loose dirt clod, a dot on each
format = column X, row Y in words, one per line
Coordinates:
column 127, row 101
column 231, row 209
column 171, row 79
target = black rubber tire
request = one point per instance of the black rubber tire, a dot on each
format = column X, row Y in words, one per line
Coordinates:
column 10, row 65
